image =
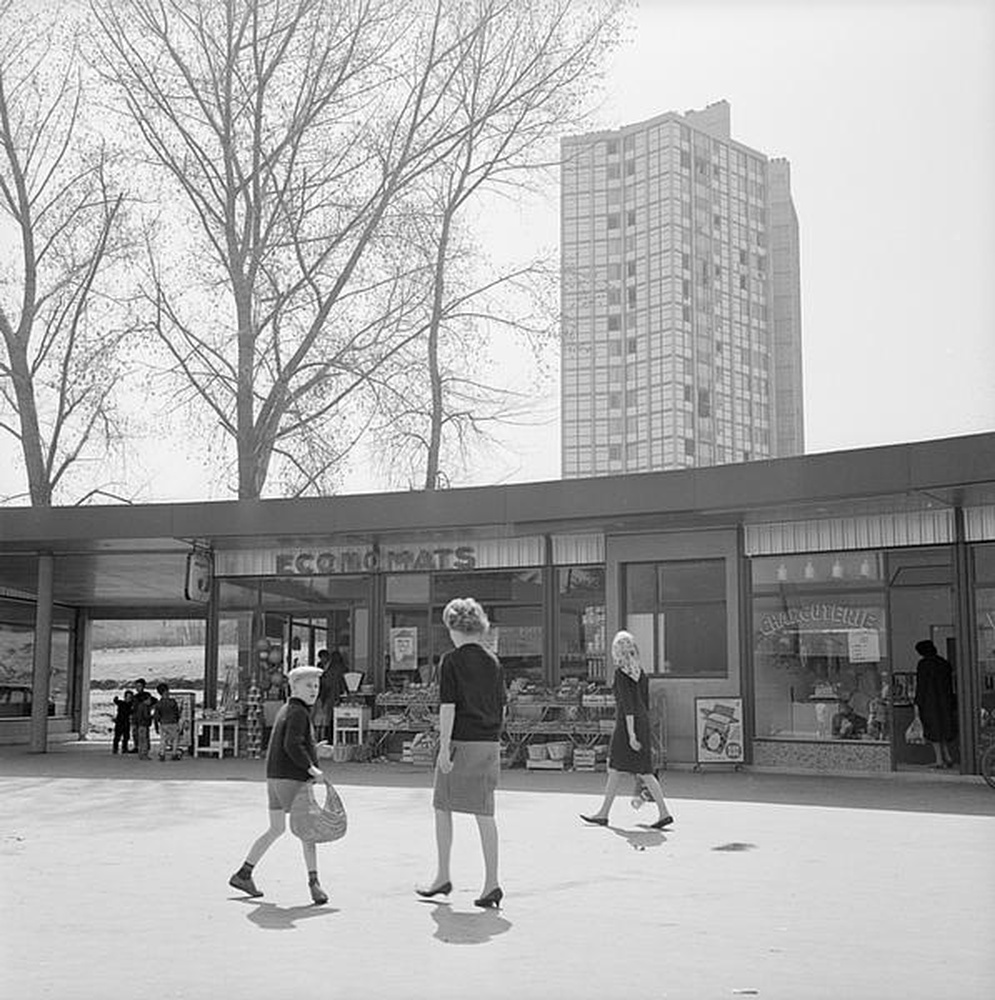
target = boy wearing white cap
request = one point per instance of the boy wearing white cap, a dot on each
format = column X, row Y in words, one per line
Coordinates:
column 291, row 762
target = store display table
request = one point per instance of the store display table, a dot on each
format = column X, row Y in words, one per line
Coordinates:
column 215, row 736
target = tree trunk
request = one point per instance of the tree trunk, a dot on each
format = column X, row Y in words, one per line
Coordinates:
column 435, row 375
column 31, row 445
column 249, row 479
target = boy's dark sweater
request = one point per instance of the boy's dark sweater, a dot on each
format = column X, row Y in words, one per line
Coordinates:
column 167, row 711
column 141, row 709
column 291, row 743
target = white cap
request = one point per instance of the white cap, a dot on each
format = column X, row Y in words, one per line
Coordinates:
column 300, row 672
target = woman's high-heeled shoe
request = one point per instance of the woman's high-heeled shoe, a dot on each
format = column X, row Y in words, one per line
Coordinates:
column 492, row 899
column 595, row 820
column 439, row 890
column 659, row 824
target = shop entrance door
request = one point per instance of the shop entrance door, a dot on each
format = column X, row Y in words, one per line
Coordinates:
column 921, row 607
column 284, row 622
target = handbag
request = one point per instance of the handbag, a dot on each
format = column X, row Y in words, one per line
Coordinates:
column 913, row 734
column 314, row 823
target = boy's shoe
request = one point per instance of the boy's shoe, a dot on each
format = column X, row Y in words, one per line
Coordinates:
column 318, row 894
column 244, row 884
column 162, row 756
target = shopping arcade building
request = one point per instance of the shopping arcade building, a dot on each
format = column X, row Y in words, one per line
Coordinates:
column 795, row 584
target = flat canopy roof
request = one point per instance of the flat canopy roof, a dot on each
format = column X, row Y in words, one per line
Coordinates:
column 134, row 554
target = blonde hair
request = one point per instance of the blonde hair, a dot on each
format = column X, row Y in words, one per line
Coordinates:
column 464, row 614
column 625, row 650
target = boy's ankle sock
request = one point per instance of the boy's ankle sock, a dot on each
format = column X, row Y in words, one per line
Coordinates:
column 312, row 878
column 246, row 870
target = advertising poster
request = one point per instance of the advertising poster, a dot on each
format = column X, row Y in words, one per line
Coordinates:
column 719, row 730
column 404, row 648
column 187, row 701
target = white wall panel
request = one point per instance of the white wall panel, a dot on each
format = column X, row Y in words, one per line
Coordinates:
column 867, row 531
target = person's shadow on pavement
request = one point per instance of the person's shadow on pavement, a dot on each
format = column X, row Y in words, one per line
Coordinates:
column 270, row 917
column 464, row 927
column 639, row 840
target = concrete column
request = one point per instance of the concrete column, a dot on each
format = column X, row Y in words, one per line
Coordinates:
column 81, row 667
column 42, row 666
column 211, row 638
column 968, row 677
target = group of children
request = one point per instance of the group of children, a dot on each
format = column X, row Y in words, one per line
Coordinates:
column 137, row 712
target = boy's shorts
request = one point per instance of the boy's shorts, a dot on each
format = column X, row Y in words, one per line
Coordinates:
column 282, row 792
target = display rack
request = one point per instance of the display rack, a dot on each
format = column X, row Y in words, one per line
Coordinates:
column 401, row 713
column 533, row 720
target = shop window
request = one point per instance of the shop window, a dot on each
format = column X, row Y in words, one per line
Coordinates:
column 17, row 643
column 820, row 657
column 582, row 622
column 985, row 618
column 677, row 612
column 516, row 638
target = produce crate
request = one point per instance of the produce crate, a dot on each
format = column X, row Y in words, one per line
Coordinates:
column 546, row 765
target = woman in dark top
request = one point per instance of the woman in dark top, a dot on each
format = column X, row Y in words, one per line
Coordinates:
column 935, row 701
column 629, row 751
column 471, row 714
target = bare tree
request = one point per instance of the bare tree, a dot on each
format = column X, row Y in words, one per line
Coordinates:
column 440, row 403
column 61, row 211
column 287, row 129
column 524, row 84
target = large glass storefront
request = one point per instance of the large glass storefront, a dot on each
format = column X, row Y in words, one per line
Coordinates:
column 820, row 658
column 834, row 661
column 984, row 616
column 17, row 630
column 416, row 637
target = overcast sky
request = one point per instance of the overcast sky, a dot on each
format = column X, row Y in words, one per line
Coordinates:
column 886, row 112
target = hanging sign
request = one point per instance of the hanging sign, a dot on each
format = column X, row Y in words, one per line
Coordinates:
column 199, row 571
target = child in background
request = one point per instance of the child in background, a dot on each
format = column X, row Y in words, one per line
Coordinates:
column 166, row 716
column 141, row 718
column 122, row 720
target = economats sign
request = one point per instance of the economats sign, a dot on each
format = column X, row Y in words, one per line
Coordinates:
column 324, row 562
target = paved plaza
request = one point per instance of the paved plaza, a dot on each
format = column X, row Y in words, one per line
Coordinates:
column 113, row 883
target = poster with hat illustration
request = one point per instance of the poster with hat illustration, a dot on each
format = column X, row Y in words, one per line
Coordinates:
column 718, row 730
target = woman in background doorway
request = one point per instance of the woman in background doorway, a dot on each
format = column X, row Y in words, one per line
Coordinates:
column 935, row 702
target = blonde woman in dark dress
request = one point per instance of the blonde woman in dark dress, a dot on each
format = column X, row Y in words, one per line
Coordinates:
column 629, row 752
column 471, row 715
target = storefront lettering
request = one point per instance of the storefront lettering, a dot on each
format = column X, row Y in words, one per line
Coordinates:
column 423, row 560
column 370, row 561
column 821, row 614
